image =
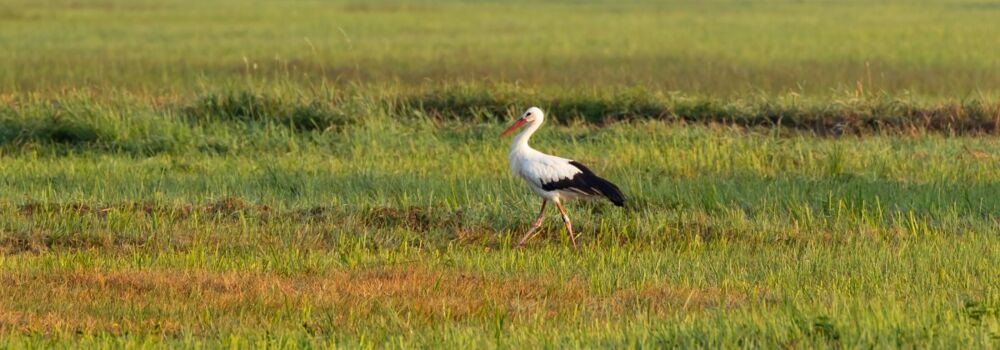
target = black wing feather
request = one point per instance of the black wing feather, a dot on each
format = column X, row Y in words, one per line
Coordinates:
column 587, row 182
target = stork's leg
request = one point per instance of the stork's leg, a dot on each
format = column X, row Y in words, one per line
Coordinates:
column 534, row 228
column 569, row 225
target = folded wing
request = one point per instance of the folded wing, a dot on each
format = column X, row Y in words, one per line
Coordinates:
column 559, row 174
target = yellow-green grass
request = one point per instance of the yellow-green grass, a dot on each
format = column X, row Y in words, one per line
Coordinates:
column 944, row 49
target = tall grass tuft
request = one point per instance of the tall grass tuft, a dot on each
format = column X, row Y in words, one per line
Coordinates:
column 82, row 124
column 252, row 107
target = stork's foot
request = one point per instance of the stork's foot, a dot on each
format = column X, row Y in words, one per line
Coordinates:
column 534, row 228
column 569, row 231
column 531, row 233
column 569, row 224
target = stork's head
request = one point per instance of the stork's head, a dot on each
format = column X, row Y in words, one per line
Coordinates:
column 529, row 116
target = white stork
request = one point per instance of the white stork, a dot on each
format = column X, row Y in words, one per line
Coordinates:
column 553, row 178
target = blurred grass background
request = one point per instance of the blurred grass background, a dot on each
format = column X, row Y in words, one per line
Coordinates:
column 717, row 48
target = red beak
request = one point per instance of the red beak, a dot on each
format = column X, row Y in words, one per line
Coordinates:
column 519, row 123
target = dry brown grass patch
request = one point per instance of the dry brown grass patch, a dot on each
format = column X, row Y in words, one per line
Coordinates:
column 94, row 301
column 169, row 302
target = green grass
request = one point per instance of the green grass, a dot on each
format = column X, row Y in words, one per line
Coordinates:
column 330, row 174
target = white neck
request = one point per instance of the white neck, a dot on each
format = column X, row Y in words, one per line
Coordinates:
column 521, row 140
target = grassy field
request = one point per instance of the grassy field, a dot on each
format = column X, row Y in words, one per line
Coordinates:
column 328, row 173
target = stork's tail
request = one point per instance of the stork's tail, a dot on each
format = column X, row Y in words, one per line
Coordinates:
column 610, row 191
column 592, row 184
